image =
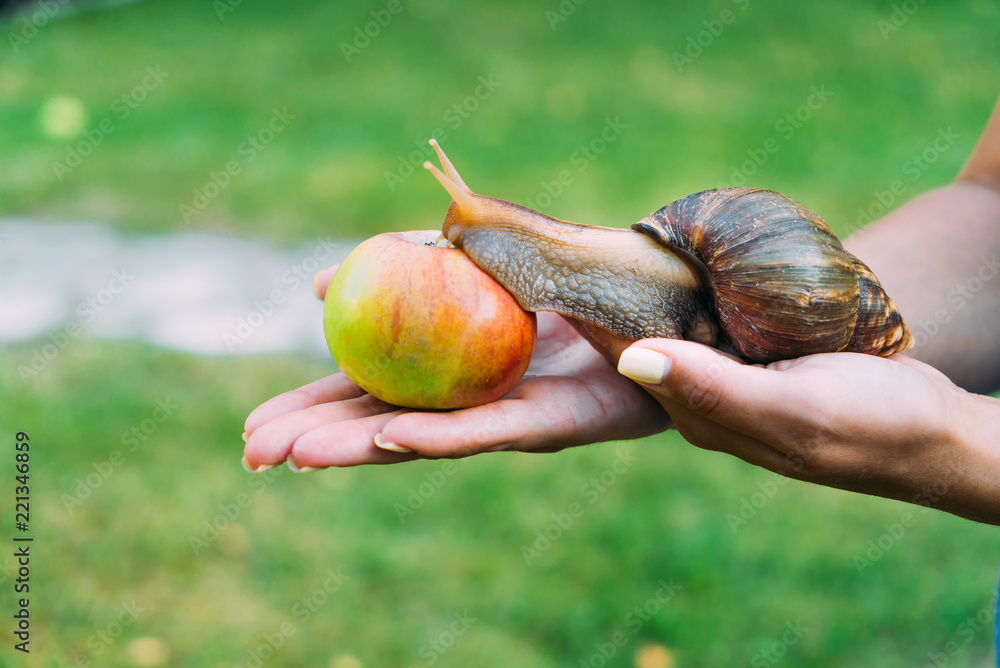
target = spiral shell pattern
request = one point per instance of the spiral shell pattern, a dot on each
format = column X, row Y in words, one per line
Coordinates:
column 782, row 284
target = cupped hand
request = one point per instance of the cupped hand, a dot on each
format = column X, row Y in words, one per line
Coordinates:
column 892, row 427
column 571, row 395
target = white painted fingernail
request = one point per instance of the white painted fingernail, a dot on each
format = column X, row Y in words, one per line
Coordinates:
column 259, row 469
column 386, row 445
column 644, row 365
column 245, row 437
column 299, row 469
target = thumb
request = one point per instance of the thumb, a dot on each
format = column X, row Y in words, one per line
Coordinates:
column 703, row 379
column 321, row 281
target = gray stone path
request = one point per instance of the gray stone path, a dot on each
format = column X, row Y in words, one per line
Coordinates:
column 192, row 291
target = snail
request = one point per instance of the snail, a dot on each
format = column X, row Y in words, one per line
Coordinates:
column 746, row 270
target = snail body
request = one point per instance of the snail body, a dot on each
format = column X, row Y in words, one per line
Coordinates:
column 740, row 269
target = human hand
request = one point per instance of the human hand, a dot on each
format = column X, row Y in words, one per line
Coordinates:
column 570, row 395
column 892, row 427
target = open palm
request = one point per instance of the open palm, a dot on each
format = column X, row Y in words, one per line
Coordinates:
column 571, row 395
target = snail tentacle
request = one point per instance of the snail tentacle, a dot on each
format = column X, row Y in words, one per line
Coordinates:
column 463, row 199
column 449, row 168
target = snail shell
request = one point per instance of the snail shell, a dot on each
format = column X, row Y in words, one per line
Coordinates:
column 782, row 283
column 736, row 268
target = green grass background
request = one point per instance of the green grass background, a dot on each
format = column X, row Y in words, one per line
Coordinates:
column 665, row 518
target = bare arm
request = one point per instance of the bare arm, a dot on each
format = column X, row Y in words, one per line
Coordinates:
column 939, row 258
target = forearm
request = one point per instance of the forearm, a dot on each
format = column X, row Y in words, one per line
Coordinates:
column 973, row 464
column 938, row 257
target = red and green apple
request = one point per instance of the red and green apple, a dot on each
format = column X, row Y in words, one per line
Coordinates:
column 421, row 326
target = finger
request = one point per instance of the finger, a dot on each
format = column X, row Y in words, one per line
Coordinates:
column 923, row 367
column 349, row 443
column 269, row 444
column 332, row 388
column 494, row 426
column 706, row 434
column 745, row 398
column 541, row 414
column 606, row 343
column 321, row 281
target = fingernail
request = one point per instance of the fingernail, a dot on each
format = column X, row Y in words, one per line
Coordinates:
column 299, row 469
column 644, row 365
column 386, row 445
column 245, row 437
column 259, row 469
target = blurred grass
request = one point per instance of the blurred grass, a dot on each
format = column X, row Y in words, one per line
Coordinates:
column 355, row 122
column 212, row 597
column 665, row 519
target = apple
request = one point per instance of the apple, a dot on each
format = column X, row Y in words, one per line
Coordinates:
column 421, row 326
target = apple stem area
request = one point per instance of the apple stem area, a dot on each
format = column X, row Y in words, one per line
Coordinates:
column 441, row 242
